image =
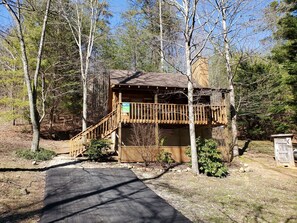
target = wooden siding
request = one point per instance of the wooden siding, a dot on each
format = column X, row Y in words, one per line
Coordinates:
column 134, row 153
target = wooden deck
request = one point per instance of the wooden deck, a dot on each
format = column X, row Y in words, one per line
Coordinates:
column 157, row 113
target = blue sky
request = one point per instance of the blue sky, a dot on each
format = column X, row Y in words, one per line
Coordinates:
column 119, row 6
column 116, row 7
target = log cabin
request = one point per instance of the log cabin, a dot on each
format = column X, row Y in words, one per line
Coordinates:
column 158, row 100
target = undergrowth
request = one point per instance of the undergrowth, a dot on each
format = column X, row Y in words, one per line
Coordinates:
column 40, row 155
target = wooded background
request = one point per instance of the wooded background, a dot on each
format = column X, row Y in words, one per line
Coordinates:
column 262, row 57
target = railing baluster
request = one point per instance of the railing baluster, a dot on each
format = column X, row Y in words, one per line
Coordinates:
column 163, row 112
column 138, row 110
column 169, row 113
column 175, row 119
column 183, row 114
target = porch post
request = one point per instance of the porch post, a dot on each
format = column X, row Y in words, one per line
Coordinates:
column 156, row 120
column 224, row 112
column 120, row 128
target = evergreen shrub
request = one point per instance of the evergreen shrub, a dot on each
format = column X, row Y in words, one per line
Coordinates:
column 164, row 158
column 96, row 151
column 209, row 158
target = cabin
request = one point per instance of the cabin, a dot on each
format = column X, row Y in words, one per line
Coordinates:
column 157, row 100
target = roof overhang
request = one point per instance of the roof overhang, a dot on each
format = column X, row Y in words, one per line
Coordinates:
column 162, row 88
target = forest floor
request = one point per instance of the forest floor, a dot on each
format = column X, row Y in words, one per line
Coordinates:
column 256, row 190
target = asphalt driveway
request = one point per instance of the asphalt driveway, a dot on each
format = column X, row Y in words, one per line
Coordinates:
column 102, row 195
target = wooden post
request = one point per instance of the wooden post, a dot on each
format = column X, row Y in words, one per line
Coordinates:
column 156, row 120
column 113, row 101
column 120, row 127
column 224, row 112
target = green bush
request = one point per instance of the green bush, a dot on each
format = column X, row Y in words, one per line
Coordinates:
column 165, row 157
column 40, row 155
column 209, row 158
column 96, row 150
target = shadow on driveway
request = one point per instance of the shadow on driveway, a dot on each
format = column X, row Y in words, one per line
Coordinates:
column 102, row 195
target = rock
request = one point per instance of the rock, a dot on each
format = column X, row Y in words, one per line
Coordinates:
column 34, row 162
column 130, row 167
column 24, row 191
column 179, row 171
column 245, row 165
column 248, row 169
column 146, row 175
column 241, row 170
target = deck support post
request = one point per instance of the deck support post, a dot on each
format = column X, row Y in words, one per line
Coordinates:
column 120, row 128
column 224, row 111
column 156, row 120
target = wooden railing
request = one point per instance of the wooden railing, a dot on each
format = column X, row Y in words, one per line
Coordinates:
column 174, row 114
column 106, row 126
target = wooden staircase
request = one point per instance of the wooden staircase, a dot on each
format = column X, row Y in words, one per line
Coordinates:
column 105, row 127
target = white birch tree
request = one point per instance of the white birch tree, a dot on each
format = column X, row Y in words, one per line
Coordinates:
column 222, row 6
column 235, row 19
column 84, row 18
column 193, row 46
column 15, row 10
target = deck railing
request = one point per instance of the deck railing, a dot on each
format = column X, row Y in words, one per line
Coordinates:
column 173, row 113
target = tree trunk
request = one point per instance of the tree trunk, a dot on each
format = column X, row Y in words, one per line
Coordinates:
column 161, row 37
column 85, row 105
column 36, row 135
column 234, row 146
column 194, row 155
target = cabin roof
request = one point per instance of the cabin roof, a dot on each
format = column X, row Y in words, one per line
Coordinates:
column 138, row 78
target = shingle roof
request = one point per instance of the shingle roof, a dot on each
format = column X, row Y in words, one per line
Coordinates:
column 124, row 77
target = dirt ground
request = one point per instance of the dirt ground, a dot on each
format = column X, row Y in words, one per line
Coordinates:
column 256, row 190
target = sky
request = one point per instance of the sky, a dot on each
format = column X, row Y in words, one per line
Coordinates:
column 116, row 7
column 119, row 6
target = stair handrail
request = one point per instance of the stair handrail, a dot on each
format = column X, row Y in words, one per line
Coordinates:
column 90, row 128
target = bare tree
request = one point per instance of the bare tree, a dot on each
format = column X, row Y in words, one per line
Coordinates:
column 193, row 47
column 79, row 22
column 15, row 10
column 143, row 137
column 233, row 25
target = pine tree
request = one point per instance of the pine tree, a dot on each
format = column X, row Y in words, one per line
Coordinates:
column 285, row 53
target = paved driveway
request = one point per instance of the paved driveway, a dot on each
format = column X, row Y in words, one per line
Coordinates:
column 103, row 195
